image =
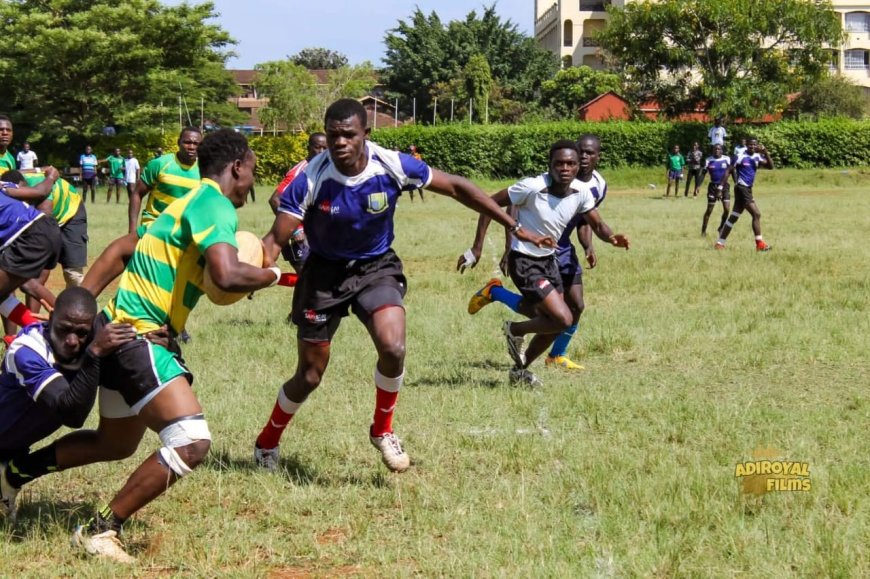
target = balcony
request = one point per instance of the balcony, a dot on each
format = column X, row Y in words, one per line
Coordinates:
column 594, row 5
column 547, row 18
column 589, row 42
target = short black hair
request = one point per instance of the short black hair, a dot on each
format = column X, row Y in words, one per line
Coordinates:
column 75, row 299
column 12, row 176
column 344, row 109
column 219, row 149
column 563, row 144
column 313, row 136
column 196, row 130
column 5, row 118
column 589, row 137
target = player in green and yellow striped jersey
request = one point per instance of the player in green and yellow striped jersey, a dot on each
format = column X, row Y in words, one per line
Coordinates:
column 166, row 178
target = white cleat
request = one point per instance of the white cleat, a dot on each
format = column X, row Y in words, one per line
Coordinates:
column 105, row 545
column 266, row 458
column 390, row 447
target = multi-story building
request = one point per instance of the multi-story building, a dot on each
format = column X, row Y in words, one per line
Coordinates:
column 568, row 30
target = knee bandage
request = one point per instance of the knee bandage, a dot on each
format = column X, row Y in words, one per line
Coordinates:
column 180, row 434
column 73, row 276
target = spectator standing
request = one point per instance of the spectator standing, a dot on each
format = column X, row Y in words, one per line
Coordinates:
column 116, row 175
column 675, row 165
column 694, row 168
column 131, row 171
column 27, row 159
column 740, row 149
column 88, row 163
column 416, row 154
column 717, row 133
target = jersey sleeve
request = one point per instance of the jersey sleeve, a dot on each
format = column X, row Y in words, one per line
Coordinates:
column 150, row 172
column 212, row 221
column 32, row 370
column 415, row 172
column 520, row 192
column 295, row 199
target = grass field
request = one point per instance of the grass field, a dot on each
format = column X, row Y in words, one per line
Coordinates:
column 694, row 360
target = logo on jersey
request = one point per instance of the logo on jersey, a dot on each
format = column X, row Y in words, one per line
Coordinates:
column 543, row 283
column 327, row 207
column 378, row 203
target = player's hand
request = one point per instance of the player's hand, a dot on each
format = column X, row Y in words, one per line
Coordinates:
column 524, row 234
column 591, row 258
column 468, row 259
column 160, row 336
column 620, row 240
column 503, row 262
column 110, row 337
column 51, row 173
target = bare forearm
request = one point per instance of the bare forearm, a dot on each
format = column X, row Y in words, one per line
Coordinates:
column 133, row 207
column 244, row 278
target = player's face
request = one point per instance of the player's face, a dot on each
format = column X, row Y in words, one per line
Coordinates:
column 88, row 150
column 117, row 152
column 316, row 146
column 5, row 133
column 590, row 154
column 187, row 144
column 717, row 151
column 564, row 166
column 69, row 334
column 244, row 174
column 346, row 140
column 751, row 146
column 129, row 153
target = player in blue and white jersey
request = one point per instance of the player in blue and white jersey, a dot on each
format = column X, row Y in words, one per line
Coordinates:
column 49, row 379
column 718, row 166
column 566, row 256
column 743, row 169
column 346, row 198
column 547, row 204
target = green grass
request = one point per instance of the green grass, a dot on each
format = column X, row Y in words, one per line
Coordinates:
column 694, row 359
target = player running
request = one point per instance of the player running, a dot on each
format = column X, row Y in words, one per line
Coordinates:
column 718, row 166
column 346, row 199
column 546, row 204
column 743, row 169
column 566, row 255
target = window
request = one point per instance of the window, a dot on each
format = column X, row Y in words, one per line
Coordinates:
column 593, row 5
column 858, row 22
column 857, row 59
column 834, row 61
column 568, row 34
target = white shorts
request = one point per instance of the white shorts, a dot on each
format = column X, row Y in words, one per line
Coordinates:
column 112, row 404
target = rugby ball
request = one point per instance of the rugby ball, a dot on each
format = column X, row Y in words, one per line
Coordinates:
column 250, row 252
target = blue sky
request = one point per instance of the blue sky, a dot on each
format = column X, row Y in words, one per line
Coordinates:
column 274, row 29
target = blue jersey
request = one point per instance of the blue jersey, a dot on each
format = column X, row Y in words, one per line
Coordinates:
column 15, row 215
column 349, row 218
column 29, row 365
column 88, row 164
column 565, row 252
column 746, row 166
column 718, row 169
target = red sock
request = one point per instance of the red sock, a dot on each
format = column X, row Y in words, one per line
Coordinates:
column 282, row 414
column 385, row 405
column 21, row 315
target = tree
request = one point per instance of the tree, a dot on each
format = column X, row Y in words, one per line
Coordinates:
column 78, row 66
column 477, row 78
column 576, row 85
column 831, row 96
column 740, row 57
column 319, row 58
column 298, row 101
column 424, row 54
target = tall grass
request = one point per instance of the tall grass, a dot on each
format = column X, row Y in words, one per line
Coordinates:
column 694, row 359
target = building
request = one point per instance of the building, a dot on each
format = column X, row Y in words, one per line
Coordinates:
column 568, row 29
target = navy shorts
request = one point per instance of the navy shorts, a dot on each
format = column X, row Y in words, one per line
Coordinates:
column 742, row 195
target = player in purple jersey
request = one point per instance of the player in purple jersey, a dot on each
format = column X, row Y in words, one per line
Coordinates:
column 718, row 167
column 49, row 379
column 566, row 256
column 743, row 169
column 548, row 204
column 346, row 198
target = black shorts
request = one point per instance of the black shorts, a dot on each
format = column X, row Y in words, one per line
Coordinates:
column 139, row 368
column 36, row 249
column 89, row 180
column 742, row 195
column 535, row 277
column 713, row 194
column 74, row 234
column 327, row 289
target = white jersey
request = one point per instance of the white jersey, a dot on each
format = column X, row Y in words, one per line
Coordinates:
column 546, row 214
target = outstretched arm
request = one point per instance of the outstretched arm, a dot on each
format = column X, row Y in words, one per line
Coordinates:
column 584, row 235
column 280, row 233
column 603, row 231
column 36, row 194
column 110, row 264
column 231, row 275
column 472, row 256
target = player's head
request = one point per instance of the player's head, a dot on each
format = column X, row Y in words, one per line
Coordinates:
column 346, row 133
column 26, row 147
column 695, row 146
column 675, row 148
column 225, row 153
column 717, row 151
column 751, row 145
column 5, row 132
column 13, row 176
column 316, row 144
column 129, row 153
column 188, row 140
column 564, row 161
column 589, row 149
column 116, row 152
column 717, row 122
column 71, row 324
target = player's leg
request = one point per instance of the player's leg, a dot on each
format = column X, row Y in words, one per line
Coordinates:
column 574, row 299
column 755, row 212
column 33, row 303
column 728, row 226
column 555, row 317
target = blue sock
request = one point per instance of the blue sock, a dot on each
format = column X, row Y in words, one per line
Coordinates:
column 507, row 297
column 560, row 345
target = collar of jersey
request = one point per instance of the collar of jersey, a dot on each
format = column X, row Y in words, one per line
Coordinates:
column 209, row 183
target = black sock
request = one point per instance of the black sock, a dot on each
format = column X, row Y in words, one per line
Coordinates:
column 30, row 467
column 105, row 520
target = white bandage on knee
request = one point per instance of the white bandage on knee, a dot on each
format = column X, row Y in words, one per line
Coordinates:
column 388, row 384
column 73, row 276
column 177, row 435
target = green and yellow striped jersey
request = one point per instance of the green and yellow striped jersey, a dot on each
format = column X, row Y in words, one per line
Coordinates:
column 168, row 180
column 7, row 162
column 163, row 280
column 65, row 200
